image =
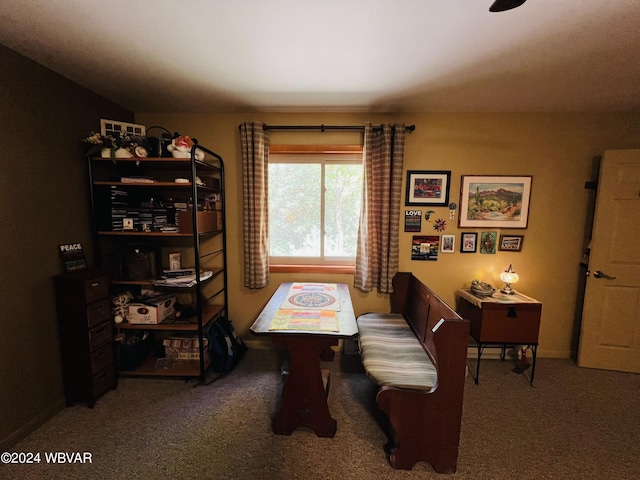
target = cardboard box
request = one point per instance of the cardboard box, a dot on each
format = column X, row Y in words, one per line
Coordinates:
column 218, row 214
column 211, row 182
column 152, row 312
column 184, row 348
column 207, row 221
column 176, row 354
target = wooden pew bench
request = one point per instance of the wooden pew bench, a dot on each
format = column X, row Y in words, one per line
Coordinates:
column 417, row 356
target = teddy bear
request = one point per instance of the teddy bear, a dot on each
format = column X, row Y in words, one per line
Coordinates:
column 181, row 148
column 120, row 308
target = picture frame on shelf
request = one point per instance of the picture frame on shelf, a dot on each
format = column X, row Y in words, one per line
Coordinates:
column 469, row 242
column 428, row 188
column 448, row 244
column 116, row 128
column 511, row 243
column 494, row 201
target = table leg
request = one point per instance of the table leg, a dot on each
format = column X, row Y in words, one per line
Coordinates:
column 477, row 379
column 534, row 351
column 304, row 396
column 328, row 355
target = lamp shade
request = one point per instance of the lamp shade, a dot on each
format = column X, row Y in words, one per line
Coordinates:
column 509, row 276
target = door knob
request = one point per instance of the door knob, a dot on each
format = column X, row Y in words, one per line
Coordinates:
column 599, row 274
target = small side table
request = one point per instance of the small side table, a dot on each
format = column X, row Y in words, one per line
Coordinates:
column 498, row 322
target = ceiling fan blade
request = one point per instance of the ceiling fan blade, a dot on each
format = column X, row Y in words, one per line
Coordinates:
column 503, row 5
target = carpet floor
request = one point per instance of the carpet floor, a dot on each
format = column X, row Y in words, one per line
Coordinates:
column 574, row 423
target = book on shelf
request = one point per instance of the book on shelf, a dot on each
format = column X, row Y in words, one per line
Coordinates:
column 137, row 180
column 184, row 281
column 181, row 272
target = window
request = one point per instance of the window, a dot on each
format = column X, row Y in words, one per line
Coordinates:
column 314, row 207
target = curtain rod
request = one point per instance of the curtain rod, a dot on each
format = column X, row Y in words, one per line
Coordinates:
column 322, row 128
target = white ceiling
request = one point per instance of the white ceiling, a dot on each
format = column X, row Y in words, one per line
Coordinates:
column 337, row 55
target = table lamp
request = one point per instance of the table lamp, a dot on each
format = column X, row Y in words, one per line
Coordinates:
column 508, row 277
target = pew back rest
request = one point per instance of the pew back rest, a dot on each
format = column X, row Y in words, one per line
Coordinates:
column 421, row 308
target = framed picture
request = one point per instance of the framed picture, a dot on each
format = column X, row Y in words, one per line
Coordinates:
column 116, row 128
column 426, row 187
column 72, row 256
column 511, row 243
column 412, row 220
column 468, row 242
column 494, row 201
column 447, row 244
column 425, row 247
column 488, row 242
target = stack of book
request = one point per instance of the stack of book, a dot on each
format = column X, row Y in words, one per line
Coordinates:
column 159, row 218
column 184, row 277
column 179, row 273
column 146, row 219
column 134, row 214
column 118, row 204
column 179, row 206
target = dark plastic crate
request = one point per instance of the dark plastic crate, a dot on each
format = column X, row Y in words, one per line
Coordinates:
column 131, row 356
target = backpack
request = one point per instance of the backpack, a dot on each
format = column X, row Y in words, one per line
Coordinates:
column 225, row 346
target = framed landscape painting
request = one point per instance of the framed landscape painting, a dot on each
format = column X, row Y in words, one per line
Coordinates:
column 497, row 201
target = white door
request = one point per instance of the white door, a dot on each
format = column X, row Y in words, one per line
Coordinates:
column 610, row 334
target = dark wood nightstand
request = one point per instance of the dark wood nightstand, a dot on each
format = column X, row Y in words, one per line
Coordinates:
column 500, row 322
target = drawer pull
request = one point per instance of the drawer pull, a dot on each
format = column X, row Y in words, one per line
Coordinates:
column 511, row 313
column 95, row 284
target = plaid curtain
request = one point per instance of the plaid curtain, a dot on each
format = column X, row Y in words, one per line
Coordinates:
column 255, row 189
column 377, row 253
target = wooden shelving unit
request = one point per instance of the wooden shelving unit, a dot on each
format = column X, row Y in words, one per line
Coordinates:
column 187, row 325
column 201, row 250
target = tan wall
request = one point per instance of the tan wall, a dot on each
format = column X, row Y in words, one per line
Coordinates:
column 43, row 203
column 559, row 150
column 43, row 200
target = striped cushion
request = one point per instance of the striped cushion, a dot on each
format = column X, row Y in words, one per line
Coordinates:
column 391, row 353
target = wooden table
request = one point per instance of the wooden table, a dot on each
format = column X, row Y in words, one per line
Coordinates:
column 501, row 321
column 304, row 397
